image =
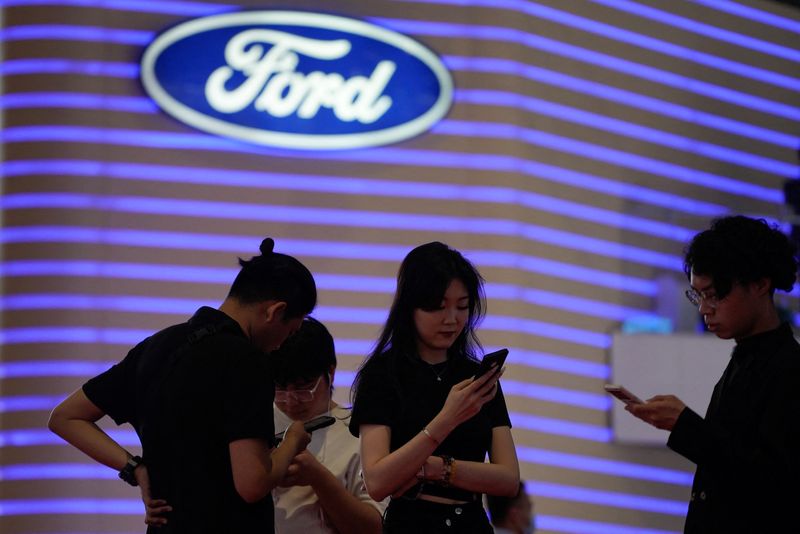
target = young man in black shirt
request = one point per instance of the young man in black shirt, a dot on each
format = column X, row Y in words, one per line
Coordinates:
column 747, row 448
column 199, row 396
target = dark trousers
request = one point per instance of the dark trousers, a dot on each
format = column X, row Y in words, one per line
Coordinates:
column 424, row 517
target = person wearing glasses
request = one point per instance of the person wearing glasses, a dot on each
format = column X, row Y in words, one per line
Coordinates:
column 323, row 491
column 747, row 447
column 426, row 424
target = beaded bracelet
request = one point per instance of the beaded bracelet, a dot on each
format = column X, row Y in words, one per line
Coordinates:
column 447, row 475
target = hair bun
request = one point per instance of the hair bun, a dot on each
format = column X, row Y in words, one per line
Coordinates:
column 266, row 246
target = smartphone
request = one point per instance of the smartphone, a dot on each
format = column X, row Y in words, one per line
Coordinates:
column 493, row 361
column 622, row 394
column 318, row 422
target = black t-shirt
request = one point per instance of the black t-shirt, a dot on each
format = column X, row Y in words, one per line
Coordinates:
column 187, row 402
column 403, row 393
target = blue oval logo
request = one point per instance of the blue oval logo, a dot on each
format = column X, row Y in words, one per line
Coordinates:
column 296, row 80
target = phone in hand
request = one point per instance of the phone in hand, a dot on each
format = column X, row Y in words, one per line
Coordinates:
column 311, row 425
column 492, row 362
column 622, row 394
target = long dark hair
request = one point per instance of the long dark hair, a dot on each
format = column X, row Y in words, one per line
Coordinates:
column 423, row 279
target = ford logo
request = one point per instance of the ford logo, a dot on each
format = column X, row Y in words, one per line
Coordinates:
column 296, row 80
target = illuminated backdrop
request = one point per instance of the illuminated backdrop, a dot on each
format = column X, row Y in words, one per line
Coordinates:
column 587, row 142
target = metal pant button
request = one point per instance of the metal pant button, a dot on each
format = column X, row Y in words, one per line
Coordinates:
column 448, row 522
column 702, row 495
column 458, row 511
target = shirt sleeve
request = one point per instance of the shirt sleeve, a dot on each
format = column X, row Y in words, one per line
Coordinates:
column 498, row 413
column 114, row 390
column 377, row 399
column 247, row 393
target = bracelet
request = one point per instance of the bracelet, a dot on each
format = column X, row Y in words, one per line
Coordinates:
column 126, row 473
column 447, row 474
column 427, row 433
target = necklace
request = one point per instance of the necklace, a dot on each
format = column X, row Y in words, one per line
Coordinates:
column 438, row 374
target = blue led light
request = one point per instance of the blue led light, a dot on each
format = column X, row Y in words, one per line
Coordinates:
column 14, row 67
column 358, row 186
column 560, row 427
column 356, row 218
column 621, row 96
column 147, row 6
column 129, row 104
column 41, row 368
column 57, row 32
column 580, row 526
column 42, row 437
column 592, row 401
column 389, row 156
column 642, row 41
column 44, row 334
column 683, row 83
column 606, row 467
column 605, row 498
column 71, row 506
column 753, row 14
column 56, row 471
column 29, row 403
column 737, row 39
column 602, row 122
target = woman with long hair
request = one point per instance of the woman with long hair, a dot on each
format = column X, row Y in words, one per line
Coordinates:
column 426, row 425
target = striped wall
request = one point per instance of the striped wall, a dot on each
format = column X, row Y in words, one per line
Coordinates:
column 588, row 141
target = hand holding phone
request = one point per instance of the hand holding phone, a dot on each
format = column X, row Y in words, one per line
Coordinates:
column 318, row 422
column 493, row 361
column 622, row 394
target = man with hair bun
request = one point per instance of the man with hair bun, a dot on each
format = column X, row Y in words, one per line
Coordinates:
column 747, row 448
column 199, row 395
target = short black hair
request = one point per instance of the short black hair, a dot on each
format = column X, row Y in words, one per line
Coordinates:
column 307, row 354
column 275, row 276
column 499, row 506
column 738, row 249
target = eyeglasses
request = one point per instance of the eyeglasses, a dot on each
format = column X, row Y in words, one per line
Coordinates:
column 698, row 297
column 297, row 395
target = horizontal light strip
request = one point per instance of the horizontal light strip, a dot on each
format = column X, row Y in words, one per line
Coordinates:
column 605, row 498
column 682, row 83
column 475, row 32
column 14, row 67
column 751, row 13
column 568, row 525
column 65, row 32
column 56, row 472
column 608, row 124
column 129, row 104
column 330, row 282
column 508, row 131
column 29, row 403
column 390, row 156
column 373, row 316
column 357, row 186
column 647, row 103
column 51, row 368
column 11, row 507
column 589, row 464
column 707, row 30
column 693, row 55
column 476, row 64
column 560, row 427
column 581, row 399
column 336, row 217
column 147, row 6
column 40, row 437
column 311, row 248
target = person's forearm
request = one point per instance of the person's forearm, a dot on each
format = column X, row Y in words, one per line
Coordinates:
column 392, row 471
column 281, row 459
column 346, row 512
column 91, row 440
column 493, row 479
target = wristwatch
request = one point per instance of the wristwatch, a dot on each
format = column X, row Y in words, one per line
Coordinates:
column 126, row 473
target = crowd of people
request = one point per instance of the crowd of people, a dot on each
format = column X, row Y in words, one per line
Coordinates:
column 426, row 440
